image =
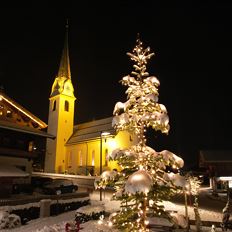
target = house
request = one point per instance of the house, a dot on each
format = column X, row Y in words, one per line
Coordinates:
column 81, row 148
column 218, row 164
column 20, row 133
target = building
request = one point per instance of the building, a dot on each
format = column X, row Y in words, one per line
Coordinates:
column 218, row 164
column 82, row 148
column 21, row 133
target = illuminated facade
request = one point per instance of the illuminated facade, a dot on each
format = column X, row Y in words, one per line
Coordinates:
column 83, row 148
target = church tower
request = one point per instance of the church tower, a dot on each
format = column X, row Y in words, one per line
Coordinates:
column 61, row 114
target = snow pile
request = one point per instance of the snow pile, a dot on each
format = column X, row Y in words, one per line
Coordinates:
column 179, row 220
column 9, row 220
column 54, row 228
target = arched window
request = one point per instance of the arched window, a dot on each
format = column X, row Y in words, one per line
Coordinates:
column 66, row 106
column 93, row 156
column 106, row 157
column 54, row 106
column 70, row 160
column 80, row 158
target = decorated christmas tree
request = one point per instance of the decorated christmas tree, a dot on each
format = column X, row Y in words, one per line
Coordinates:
column 142, row 182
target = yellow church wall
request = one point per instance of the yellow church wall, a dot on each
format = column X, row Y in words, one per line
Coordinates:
column 60, row 123
column 122, row 140
column 90, row 153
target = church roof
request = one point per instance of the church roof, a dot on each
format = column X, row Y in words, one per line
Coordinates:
column 64, row 69
column 91, row 130
column 62, row 83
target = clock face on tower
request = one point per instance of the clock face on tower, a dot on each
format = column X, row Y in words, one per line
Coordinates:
column 68, row 89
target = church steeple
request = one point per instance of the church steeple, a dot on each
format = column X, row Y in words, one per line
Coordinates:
column 63, row 83
column 64, row 69
column 61, row 114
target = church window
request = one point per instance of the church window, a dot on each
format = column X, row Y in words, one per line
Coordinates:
column 70, row 160
column 54, row 106
column 80, row 158
column 93, row 156
column 66, row 106
column 106, row 157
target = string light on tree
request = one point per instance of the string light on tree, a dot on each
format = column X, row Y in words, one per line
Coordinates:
column 142, row 183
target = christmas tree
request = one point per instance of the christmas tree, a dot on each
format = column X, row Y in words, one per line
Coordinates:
column 143, row 181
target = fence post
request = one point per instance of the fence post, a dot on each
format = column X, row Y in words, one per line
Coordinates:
column 45, row 208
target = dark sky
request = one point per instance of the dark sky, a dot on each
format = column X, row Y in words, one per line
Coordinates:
column 193, row 46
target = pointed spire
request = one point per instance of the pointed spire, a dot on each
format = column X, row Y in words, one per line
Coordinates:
column 64, row 69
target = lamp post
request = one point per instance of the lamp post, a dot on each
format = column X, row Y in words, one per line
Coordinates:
column 103, row 134
column 186, row 206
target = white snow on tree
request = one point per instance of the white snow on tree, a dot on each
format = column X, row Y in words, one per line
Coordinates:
column 142, row 182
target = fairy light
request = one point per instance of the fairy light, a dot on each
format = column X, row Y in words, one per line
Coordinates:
column 141, row 111
column 110, row 224
column 151, row 202
column 174, row 166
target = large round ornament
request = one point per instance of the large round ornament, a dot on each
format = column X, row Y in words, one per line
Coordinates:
column 139, row 181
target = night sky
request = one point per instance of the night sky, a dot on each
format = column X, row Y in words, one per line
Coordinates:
column 193, row 62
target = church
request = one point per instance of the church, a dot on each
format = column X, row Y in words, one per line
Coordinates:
column 80, row 149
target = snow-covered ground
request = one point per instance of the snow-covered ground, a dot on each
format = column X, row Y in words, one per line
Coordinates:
column 57, row 223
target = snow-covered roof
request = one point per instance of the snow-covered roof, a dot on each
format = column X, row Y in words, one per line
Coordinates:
column 91, row 130
column 11, row 171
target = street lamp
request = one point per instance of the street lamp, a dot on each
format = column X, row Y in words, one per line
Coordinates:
column 103, row 134
column 185, row 188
